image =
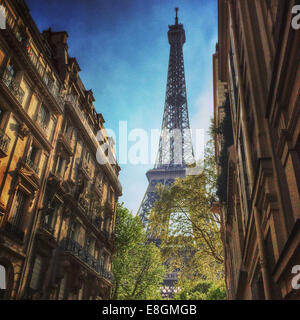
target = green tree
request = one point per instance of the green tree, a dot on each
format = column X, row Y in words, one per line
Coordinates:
column 201, row 290
column 188, row 227
column 137, row 265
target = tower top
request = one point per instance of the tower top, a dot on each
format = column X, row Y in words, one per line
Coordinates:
column 176, row 18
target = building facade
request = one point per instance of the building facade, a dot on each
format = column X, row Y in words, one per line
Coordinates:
column 256, row 71
column 58, row 193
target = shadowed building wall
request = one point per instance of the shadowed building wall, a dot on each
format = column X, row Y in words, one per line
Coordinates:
column 256, row 91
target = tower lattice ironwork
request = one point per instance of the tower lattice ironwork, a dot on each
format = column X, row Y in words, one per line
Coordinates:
column 175, row 144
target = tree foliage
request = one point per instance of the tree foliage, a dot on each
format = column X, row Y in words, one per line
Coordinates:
column 137, row 266
column 188, row 228
column 225, row 132
column 201, row 290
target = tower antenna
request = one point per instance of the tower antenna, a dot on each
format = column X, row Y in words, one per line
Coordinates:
column 176, row 18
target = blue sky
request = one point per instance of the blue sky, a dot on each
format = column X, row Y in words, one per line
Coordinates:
column 123, row 51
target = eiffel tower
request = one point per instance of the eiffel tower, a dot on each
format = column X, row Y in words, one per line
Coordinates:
column 175, row 145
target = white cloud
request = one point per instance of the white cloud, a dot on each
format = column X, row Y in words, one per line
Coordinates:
column 204, row 111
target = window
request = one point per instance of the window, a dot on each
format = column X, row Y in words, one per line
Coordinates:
column 67, row 127
column 62, row 288
column 32, row 154
column 36, row 273
column 44, row 117
column 1, row 115
column 87, row 156
column 32, row 158
column 73, row 230
column 111, row 196
column 257, row 286
column 102, row 261
column 80, row 293
column 60, row 167
column 2, row 55
column 48, row 81
column 50, row 219
column 107, row 224
column 18, row 208
column 10, row 72
column 97, row 252
column 88, row 244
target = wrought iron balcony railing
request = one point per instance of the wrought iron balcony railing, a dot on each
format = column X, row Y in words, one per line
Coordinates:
column 4, row 142
column 13, row 86
column 73, row 247
column 31, row 165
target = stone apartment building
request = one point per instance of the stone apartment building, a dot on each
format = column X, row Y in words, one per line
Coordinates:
column 57, row 201
column 256, row 71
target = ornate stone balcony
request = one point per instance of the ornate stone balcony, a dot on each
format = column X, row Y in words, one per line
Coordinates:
column 4, row 144
column 71, row 246
column 13, row 86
